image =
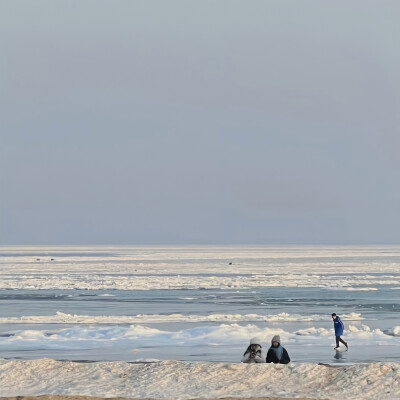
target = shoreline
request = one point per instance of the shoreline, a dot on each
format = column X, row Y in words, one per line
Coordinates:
column 72, row 397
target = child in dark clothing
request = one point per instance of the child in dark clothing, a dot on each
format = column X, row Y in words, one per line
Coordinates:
column 276, row 353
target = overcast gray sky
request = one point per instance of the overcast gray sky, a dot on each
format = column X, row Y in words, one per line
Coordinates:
column 188, row 122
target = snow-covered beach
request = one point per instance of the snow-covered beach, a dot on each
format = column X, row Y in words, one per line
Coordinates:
column 183, row 380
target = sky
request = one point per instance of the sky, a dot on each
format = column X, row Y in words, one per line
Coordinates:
column 199, row 122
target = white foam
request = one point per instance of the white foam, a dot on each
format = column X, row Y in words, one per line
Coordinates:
column 183, row 380
column 64, row 318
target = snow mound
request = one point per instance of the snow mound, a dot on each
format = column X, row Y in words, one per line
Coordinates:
column 175, row 379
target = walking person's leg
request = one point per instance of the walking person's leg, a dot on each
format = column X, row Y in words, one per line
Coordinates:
column 337, row 341
column 342, row 341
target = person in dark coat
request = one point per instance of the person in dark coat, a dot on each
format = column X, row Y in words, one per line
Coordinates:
column 276, row 353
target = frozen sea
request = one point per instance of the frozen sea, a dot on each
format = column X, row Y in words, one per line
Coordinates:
column 197, row 303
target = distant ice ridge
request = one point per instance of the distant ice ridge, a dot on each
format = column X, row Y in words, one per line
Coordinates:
column 198, row 267
column 186, row 380
column 89, row 281
column 63, row 318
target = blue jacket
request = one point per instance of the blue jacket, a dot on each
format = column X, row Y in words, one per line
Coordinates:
column 339, row 327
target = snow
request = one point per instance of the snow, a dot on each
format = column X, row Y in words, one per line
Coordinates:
column 184, row 380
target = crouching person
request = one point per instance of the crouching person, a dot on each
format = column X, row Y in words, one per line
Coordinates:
column 253, row 354
column 276, row 353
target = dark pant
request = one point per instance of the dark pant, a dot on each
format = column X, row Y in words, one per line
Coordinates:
column 339, row 339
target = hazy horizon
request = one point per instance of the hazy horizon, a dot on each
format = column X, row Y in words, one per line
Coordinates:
column 186, row 123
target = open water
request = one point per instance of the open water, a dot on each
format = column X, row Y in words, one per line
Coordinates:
column 200, row 303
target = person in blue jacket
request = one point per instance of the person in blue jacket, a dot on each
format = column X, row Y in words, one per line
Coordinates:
column 339, row 328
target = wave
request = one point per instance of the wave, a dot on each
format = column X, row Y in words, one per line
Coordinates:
column 83, row 336
column 395, row 331
column 353, row 332
column 139, row 335
column 185, row 380
column 64, row 318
